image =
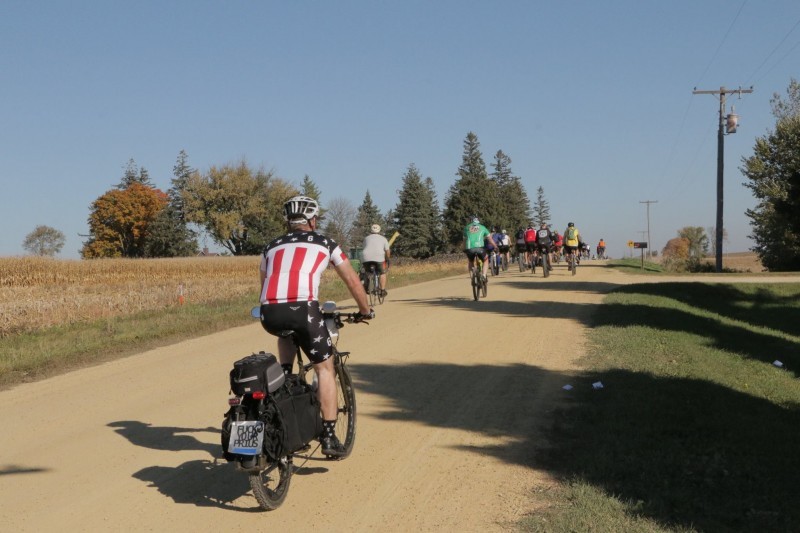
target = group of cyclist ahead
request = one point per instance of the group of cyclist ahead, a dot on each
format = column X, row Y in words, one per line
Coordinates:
column 490, row 251
column 543, row 247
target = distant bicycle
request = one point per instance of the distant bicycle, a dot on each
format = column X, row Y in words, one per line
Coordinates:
column 494, row 263
column 572, row 261
column 371, row 280
column 476, row 280
column 542, row 258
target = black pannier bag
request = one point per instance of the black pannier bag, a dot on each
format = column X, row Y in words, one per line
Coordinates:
column 259, row 372
column 299, row 413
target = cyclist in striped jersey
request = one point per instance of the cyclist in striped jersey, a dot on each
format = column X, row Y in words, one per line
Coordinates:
column 291, row 268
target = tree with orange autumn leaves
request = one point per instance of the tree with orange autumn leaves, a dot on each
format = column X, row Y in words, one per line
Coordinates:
column 119, row 220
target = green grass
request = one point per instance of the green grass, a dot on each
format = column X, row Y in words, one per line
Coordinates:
column 31, row 356
column 695, row 429
column 634, row 266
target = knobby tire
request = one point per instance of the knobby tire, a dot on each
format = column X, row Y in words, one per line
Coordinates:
column 346, row 407
column 271, row 485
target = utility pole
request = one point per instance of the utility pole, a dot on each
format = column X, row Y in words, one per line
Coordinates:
column 649, row 244
column 729, row 122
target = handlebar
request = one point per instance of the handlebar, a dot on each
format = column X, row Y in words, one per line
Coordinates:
column 350, row 318
column 339, row 317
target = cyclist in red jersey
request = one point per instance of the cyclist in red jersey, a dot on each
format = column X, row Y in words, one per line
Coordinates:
column 291, row 267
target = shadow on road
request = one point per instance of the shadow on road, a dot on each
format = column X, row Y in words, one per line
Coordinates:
column 16, row 470
column 618, row 438
column 164, row 438
column 201, row 482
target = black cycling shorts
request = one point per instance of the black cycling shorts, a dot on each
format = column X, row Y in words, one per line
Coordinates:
column 378, row 266
column 305, row 319
column 504, row 249
column 472, row 253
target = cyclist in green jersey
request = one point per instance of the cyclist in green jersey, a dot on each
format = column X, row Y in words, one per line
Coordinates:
column 475, row 235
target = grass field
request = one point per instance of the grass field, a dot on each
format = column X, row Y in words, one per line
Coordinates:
column 60, row 315
column 695, row 428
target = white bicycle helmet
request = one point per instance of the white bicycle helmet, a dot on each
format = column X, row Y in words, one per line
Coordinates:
column 300, row 209
column 375, row 228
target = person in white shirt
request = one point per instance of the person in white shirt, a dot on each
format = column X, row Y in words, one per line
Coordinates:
column 376, row 255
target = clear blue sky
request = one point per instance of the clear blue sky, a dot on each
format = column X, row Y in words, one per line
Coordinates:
column 591, row 100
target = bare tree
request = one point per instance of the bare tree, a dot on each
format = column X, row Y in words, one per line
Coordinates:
column 340, row 215
column 44, row 241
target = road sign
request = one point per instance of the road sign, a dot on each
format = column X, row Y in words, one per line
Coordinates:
column 630, row 244
column 640, row 245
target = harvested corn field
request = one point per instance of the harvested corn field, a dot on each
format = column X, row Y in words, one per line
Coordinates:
column 39, row 292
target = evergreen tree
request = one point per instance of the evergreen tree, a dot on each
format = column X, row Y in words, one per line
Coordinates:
column 391, row 225
column 515, row 207
column 134, row 174
column 435, row 215
column 541, row 210
column 181, row 172
column 519, row 206
column 169, row 236
column 310, row 189
column 367, row 215
column 473, row 193
column 416, row 216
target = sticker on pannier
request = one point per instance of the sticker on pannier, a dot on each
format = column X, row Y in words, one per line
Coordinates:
column 247, row 437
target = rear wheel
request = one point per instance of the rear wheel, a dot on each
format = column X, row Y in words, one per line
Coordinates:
column 521, row 261
column 476, row 288
column 371, row 297
column 505, row 263
column 378, row 291
column 271, row 485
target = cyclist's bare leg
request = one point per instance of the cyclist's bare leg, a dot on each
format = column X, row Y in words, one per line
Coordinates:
column 326, row 392
column 383, row 281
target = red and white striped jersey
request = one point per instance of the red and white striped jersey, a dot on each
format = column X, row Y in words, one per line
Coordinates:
column 294, row 265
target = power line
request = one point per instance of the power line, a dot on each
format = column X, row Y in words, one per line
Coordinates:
column 773, row 51
column 721, row 42
column 778, row 62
